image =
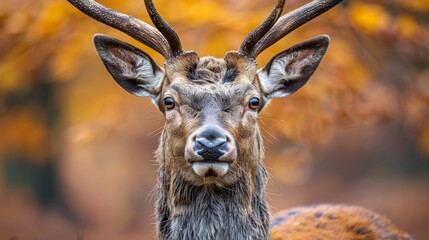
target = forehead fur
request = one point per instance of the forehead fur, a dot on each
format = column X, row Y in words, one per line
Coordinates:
column 210, row 70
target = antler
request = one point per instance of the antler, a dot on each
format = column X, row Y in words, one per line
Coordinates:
column 164, row 28
column 165, row 42
column 257, row 33
column 287, row 23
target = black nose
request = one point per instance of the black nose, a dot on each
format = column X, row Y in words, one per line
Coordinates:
column 211, row 144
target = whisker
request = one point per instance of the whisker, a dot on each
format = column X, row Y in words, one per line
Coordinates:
column 154, row 131
column 271, row 135
column 266, row 138
column 265, row 117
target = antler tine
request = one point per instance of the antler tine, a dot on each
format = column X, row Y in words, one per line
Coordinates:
column 292, row 21
column 165, row 29
column 135, row 28
column 257, row 33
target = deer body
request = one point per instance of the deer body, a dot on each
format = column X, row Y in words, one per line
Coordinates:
column 334, row 222
column 211, row 178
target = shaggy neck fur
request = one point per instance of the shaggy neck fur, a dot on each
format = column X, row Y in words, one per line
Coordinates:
column 186, row 211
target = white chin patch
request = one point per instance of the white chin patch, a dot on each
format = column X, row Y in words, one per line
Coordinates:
column 210, row 169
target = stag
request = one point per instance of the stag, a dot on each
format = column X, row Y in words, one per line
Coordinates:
column 211, row 178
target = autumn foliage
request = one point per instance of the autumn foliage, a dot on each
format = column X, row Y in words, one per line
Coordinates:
column 76, row 150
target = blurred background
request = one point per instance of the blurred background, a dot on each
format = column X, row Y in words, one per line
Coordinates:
column 76, row 150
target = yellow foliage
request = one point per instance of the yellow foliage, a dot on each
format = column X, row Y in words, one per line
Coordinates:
column 419, row 5
column 9, row 77
column 49, row 20
column 369, row 17
column 23, row 131
column 407, row 26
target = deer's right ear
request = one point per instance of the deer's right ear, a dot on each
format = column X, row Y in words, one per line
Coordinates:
column 132, row 68
column 289, row 70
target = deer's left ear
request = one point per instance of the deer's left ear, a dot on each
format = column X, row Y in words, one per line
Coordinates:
column 290, row 70
column 133, row 69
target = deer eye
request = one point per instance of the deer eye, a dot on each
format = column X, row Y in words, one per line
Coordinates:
column 169, row 103
column 254, row 103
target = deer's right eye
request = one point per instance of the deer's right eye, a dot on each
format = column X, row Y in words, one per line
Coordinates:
column 169, row 103
column 254, row 103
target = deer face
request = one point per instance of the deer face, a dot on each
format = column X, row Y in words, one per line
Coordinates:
column 211, row 105
column 211, row 111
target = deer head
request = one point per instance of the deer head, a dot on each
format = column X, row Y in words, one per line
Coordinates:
column 210, row 152
column 210, row 105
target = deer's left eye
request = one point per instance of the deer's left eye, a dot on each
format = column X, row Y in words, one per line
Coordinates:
column 254, row 103
column 169, row 103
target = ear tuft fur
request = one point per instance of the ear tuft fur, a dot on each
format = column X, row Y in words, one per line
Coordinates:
column 289, row 70
column 133, row 69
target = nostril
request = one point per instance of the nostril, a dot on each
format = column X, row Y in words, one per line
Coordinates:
column 223, row 147
column 198, row 146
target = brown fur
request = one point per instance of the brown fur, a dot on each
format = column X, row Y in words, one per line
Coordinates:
column 334, row 222
column 207, row 99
